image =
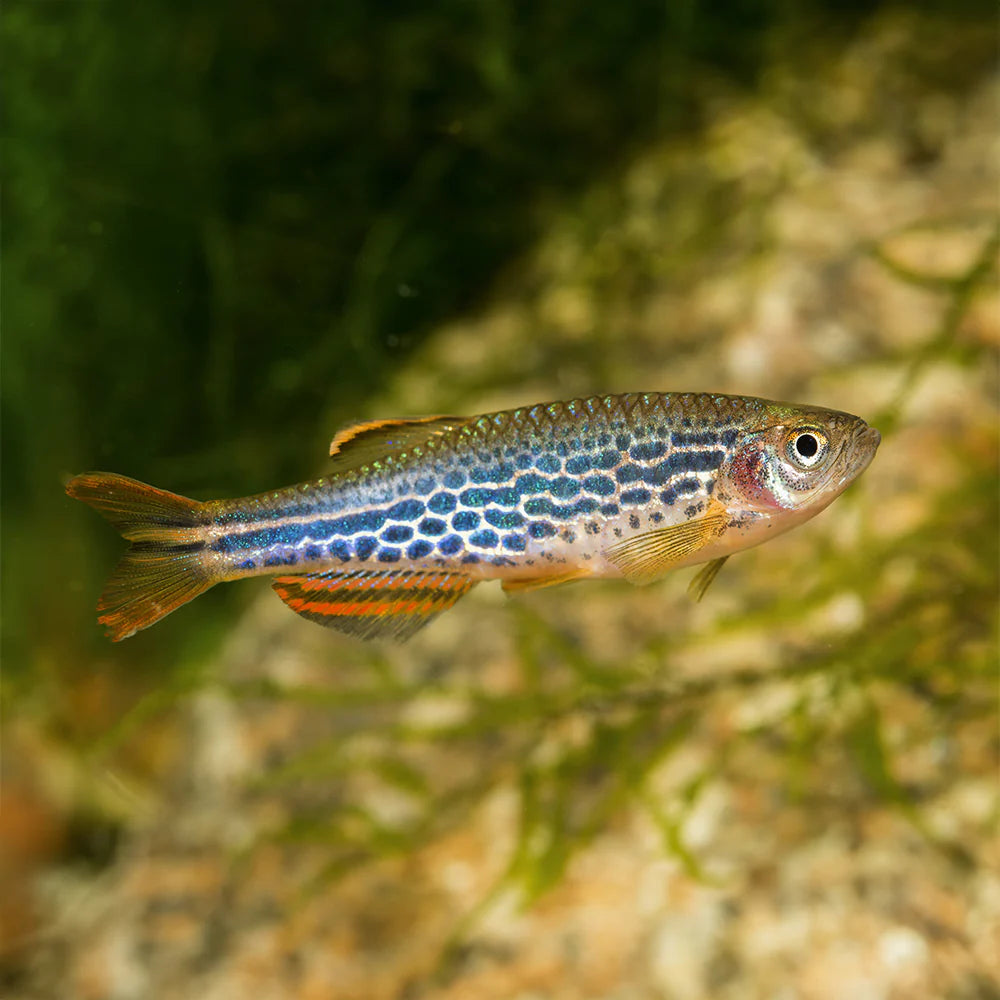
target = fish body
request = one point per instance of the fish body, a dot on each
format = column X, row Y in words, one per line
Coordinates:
column 416, row 512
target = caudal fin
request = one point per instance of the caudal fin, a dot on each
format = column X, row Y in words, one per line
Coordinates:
column 162, row 568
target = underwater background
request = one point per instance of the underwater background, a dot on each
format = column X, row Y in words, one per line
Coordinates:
column 230, row 229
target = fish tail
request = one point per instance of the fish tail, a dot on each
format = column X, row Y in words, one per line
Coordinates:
column 163, row 567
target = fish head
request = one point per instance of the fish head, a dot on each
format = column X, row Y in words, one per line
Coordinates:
column 795, row 462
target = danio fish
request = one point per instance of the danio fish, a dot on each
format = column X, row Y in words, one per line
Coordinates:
column 414, row 513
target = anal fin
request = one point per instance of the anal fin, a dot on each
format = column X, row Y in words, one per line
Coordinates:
column 645, row 557
column 371, row 605
column 523, row 584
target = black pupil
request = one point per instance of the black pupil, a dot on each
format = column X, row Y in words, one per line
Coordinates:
column 806, row 445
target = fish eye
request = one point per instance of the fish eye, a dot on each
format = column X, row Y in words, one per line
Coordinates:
column 807, row 447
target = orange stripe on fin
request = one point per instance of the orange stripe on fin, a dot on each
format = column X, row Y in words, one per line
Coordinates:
column 392, row 604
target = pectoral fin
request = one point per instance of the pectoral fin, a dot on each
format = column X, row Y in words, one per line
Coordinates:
column 646, row 557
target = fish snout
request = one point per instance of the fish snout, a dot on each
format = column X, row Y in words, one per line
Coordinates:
column 861, row 448
column 869, row 437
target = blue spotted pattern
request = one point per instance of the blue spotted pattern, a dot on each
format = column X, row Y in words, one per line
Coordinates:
column 647, row 451
column 406, row 510
column 636, row 497
column 485, row 539
column 500, row 487
column 442, row 503
column 541, row 529
column 603, row 486
column 506, row 519
column 450, row 545
column 475, row 498
column 397, row 533
column 364, row 546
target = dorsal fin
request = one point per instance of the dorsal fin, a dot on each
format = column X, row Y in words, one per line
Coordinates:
column 361, row 444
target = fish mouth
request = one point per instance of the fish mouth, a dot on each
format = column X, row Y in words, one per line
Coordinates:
column 858, row 451
column 868, row 436
column 866, row 441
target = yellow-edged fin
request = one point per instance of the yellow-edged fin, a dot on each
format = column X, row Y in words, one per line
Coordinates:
column 704, row 577
column 372, row 604
column 362, row 444
column 646, row 557
column 525, row 583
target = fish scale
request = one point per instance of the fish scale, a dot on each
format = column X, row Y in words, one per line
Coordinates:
column 628, row 485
